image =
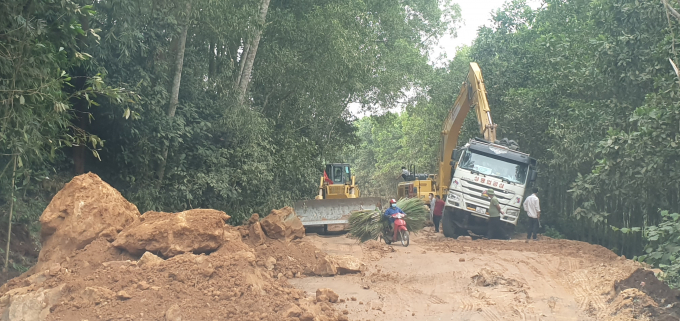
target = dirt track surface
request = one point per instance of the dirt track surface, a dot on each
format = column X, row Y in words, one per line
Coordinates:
column 444, row 279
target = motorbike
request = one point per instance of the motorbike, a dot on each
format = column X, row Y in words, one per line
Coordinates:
column 400, row 231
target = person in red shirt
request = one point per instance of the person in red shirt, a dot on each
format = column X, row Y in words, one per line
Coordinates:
column 326, row 179
column 437, row 213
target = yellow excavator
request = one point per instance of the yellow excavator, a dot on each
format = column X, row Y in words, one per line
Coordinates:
column 417, row 185
column 472, row 94
column 467, row 171
column 338, row 196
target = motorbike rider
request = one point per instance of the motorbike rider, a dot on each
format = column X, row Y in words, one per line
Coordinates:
column 391, row 211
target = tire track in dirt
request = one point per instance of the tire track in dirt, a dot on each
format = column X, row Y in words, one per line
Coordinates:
column 433, row 277
column 585, row 295
column 490, row 315
column 468, row 305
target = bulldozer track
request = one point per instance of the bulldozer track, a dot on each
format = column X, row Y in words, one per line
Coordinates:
column 585, row 295
column 490, row 314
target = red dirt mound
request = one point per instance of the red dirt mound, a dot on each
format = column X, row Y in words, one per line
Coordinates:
column 236, row 282
column 86, row 208
column 90, row 278
column 666, row 298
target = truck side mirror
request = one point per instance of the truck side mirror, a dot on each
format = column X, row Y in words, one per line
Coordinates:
column 532, row 175
column 455, row 155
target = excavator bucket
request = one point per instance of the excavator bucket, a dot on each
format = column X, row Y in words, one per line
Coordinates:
column 332, row 211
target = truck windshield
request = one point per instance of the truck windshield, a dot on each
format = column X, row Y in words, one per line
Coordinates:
column 494, row 166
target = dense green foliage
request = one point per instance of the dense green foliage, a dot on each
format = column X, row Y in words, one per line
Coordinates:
column 172, row 132
column 663, row 248
column 586, row 87
column 40, row 43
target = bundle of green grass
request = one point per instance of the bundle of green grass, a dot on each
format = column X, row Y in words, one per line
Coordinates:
column 369, row 224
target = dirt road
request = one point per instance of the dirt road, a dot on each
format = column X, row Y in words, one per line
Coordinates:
column 443, row 279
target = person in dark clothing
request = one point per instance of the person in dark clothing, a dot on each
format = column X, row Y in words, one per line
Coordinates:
column 405, row 174
column 437, row 213
column 393, row 209
column 494, row 228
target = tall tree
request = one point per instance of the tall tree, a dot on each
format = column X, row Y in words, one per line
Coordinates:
column 176, row 81
column 249, row 52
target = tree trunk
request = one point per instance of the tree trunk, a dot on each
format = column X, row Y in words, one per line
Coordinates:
column 212, row 60
column 244, row 54
column 80, row 105
column 174, row 92
column 82, row 121
column 11, row 211
column 244, row 77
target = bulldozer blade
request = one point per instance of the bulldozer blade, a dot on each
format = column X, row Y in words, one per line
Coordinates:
column 332, row 211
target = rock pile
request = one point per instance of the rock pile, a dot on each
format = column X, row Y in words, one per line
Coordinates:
column 280, row 224
column 85, row 209
column 101, row 260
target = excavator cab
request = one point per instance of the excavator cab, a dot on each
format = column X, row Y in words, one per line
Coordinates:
column 417, row 185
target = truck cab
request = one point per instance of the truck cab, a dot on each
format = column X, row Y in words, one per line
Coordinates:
column 476, row 167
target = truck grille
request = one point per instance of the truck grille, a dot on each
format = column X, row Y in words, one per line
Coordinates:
column 474, row 190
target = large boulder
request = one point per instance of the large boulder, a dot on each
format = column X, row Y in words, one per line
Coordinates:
column 338, row 264
column 85, row 209
column 325, row 267
column 27, row 304
column 347, row 264
column 170, row 234
column 283, row 224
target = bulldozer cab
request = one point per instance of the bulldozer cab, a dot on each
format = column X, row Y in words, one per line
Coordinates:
column 339, row 173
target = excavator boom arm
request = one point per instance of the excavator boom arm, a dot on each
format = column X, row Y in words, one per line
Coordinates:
column 472, row 95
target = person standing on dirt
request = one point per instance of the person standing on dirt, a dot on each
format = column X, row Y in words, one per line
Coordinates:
column 432, row 201
column 533, row 208
column 494, row 228
column 437, row 213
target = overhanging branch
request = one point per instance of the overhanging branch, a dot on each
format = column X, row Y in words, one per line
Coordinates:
column 672, row 11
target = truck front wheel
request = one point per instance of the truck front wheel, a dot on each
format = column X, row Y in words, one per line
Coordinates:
column 449, row 227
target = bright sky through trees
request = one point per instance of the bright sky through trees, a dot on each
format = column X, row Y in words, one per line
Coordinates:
column 475, row 13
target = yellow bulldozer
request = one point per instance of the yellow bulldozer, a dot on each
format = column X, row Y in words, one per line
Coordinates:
column 337, row 198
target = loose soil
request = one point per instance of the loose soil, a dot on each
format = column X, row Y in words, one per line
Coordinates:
column 104, row 283
column 101, row 261
column 667, row 300
column 437, row 278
